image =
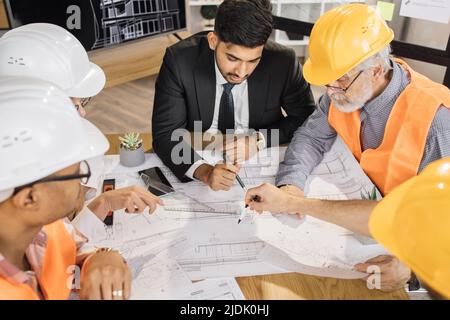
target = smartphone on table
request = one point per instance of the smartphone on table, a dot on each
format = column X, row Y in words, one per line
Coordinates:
column 156, row 182
column 108, row 185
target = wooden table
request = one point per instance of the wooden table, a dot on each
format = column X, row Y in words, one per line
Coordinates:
column 291, row 285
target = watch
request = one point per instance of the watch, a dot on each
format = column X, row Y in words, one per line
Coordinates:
column 413, row 283
column 260, row 140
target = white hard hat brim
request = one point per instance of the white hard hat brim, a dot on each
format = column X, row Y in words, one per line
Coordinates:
column 91, row 85
column 5, row 194
column 97, row 145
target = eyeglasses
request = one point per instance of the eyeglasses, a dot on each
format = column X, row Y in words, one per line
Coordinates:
column 84, row 175
column 348, row 87
column 83, row 102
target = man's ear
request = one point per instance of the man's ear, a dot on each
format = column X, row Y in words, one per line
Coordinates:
column 26, row 199
column 213, row 40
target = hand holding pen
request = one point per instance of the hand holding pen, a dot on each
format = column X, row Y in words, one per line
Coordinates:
column 267, row 197
column 241, row 183
column 245, row 211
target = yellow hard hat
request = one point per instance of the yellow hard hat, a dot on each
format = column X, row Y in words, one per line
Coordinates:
column 341, row 39
column 413, row 223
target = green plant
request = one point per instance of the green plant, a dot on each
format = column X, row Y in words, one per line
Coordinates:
column 131, row 141
column 208, row 12
column 370, row 195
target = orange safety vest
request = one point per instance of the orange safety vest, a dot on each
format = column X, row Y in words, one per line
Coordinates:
column 60, row 253
column 400, row 153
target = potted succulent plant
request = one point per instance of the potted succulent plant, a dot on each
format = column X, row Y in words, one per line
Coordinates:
column 209, row 13
column 131, row 150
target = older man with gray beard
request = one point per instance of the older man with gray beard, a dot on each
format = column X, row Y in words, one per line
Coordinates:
column 394, row 120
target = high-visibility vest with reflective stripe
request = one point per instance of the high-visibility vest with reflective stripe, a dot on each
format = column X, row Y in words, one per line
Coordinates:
column 54, row 279
column 400, row 153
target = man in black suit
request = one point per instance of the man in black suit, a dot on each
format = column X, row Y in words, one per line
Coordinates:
column 235, row 81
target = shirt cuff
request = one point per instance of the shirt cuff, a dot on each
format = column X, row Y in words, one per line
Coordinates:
column 262, row 143
column 298, row 182
column 190, row 172
column 88, row 223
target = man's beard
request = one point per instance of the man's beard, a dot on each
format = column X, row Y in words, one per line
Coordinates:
column 344, row 104
column 227, row 76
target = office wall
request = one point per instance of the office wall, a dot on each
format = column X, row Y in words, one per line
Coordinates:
column 3, row 18
column 421, row 32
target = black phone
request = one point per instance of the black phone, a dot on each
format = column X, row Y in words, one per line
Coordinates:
column 155, row 181
column 108, row 185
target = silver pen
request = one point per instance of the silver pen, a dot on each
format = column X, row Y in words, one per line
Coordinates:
column 241, row 183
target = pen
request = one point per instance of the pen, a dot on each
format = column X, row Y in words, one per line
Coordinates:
column 255, row 198
column 241, row 183
column 239, row 180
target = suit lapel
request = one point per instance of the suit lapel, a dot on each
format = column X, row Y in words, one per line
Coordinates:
column 258, row 90
column 205, row 85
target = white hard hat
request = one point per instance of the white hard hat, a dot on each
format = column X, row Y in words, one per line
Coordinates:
column 40, row 133
column 51, row 53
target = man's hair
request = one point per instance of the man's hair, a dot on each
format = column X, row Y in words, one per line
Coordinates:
column 246, row 23
column 381, row 57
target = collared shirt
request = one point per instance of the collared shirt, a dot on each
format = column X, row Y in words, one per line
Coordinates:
column 241, row 112
column 35, row 255
column 316, row 136
column 240, row 99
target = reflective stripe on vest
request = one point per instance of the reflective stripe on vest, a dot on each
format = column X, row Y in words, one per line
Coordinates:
column 400, row 153
column 60, row 254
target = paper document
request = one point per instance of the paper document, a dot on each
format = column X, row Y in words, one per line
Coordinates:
column 216, row 289
column 196, row 236
column 339, row 177
column 432, row 10
column 222, row 248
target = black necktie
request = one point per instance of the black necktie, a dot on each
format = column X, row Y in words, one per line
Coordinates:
column 226, row 109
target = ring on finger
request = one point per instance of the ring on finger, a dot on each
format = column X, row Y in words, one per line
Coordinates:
column 117, row 293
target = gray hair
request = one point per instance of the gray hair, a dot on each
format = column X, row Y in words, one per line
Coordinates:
column 382, row 58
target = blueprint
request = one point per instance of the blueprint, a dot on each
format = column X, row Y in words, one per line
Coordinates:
column 318, row 248
column 224, row 249
column 216, row 289
column 339, row 177
column 195, row 235
column 129, row 227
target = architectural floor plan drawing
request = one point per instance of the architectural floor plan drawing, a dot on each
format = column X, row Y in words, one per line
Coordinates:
column 216, row 289
column 224, row 248
column 319, row 248
column 155, row 273
column 131, row 227
column 215, row 258
column 259, row 170
column 339, row 177
column 160, row 279
column 196, row 235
